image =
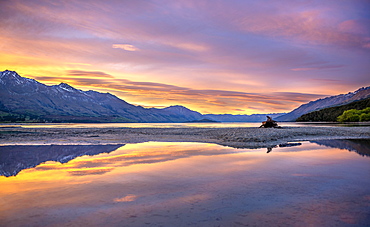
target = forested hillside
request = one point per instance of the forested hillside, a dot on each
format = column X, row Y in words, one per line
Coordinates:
column 331, row 114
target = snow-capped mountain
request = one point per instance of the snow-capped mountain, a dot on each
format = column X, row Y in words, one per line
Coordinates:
column 65, row 103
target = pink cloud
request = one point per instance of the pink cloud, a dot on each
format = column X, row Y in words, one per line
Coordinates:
column 360, row 27
column 302, row 27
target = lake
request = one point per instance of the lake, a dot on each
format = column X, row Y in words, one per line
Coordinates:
column 317, row 183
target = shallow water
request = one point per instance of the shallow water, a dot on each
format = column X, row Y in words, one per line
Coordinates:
column 321, row 183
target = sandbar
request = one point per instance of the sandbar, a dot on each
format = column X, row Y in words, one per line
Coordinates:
column 239, row 137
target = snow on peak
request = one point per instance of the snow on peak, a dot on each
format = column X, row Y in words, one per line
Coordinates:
column 361, row 89
column 69, row 88
column 11, row 76
column 66, row 87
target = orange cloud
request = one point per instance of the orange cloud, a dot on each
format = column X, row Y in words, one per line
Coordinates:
column 127, row 47
column 205, row 101
column 88, row 74
column 127, row 198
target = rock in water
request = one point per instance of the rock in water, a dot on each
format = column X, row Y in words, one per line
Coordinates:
column 269, row 123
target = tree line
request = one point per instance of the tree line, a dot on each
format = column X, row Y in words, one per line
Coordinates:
column 354, row 115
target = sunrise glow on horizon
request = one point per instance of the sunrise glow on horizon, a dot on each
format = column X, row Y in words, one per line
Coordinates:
column 235, row 57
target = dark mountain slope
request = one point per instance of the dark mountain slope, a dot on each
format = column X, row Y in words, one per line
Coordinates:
column 331, row 101
column 331, row 113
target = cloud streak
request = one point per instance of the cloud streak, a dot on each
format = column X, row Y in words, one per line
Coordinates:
column 127, row 47
column 221, row 101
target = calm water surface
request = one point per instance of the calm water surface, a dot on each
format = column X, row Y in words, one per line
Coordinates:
column 322, row 183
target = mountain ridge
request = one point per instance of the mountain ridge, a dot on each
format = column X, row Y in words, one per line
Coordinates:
column 330, row 101
column 65, row 103
column 23, row 98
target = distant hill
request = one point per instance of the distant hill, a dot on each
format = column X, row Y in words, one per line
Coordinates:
column 241, row 118
column 28, row 100
column 331, row 113
column 202, row 121
column 331, row 101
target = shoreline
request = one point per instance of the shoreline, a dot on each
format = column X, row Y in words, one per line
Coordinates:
column 249, row 137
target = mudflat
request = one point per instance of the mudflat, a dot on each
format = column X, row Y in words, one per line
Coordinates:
column 250, row 137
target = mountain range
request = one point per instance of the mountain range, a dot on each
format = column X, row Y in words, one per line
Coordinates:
column 63, row 103
column 24, row 99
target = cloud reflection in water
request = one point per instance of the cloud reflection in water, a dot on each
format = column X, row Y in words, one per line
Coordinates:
column 193, row 184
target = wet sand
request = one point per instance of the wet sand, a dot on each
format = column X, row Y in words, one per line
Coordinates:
column 234, row 137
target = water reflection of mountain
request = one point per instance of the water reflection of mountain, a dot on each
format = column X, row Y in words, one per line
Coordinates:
column 14, row 159
column 360, row 146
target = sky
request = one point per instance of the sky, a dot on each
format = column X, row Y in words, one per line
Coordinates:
column 215, row 56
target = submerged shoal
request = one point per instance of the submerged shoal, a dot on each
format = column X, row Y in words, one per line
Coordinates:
column 250, row 137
